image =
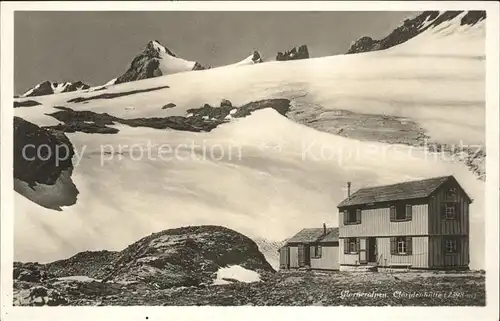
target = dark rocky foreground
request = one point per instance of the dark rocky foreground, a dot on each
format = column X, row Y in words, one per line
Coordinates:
column 413, row 27
column 301, row 288
column 203, row 119
column 181, row 257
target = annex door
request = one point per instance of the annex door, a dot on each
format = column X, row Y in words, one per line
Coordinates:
column 303, row 254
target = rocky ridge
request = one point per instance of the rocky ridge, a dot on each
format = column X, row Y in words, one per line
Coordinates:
column 413, row 27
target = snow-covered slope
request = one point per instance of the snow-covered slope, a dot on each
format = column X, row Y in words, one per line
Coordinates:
column 254, row 58
column 265, row 175
column 49, row 88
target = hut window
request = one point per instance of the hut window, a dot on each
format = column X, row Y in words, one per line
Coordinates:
column 449, row 211
column 352, row 216
column 316, row 251
column 451, row 246
column 402, row 246
column 400, row 212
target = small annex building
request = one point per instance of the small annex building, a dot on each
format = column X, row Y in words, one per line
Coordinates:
column 311, row 248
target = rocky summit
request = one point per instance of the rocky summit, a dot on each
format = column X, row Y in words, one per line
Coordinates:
column 294, row 54
column 156, row 60
column 49, row 88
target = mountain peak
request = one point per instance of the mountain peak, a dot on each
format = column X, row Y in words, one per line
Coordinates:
column 156, row 60
column 155, row 49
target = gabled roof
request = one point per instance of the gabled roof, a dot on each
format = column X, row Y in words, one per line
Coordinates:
column 312, row 235
column 333, row 236
column 401, row 191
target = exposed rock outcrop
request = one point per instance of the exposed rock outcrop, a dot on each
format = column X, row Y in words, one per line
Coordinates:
column 202, row 119
column 43, row 165
column 294, row 54
column 187, row 256
column 26, row 103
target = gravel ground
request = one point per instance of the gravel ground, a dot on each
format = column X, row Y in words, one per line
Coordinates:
column 299, row 288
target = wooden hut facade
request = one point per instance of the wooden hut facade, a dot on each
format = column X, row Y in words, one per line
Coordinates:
column 417, row 225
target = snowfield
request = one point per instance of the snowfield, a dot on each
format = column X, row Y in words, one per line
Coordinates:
column 265, row 175
column 236, row 272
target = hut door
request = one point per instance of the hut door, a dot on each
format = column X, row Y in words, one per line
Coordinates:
column 362, row 251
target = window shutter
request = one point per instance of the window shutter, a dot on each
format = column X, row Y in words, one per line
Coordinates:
column 312, row 251
column 409, row 212
column 319, row 251
column 459, row 243
column 358, row 215
column 393, row 245
column 409, row 245
column 443, row 245
column 443, row 211
column 345, row 217
column 358, row 245
column 393, row 213
column 346, row 246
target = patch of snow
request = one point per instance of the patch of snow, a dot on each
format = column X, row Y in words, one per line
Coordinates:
column 236, row 272
column 124, row 282
column 80, row 278
column 428, row 21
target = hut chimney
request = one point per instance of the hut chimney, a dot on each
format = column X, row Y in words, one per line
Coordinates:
column 348, row 189
column 324, row 229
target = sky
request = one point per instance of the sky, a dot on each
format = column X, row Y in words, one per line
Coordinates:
column 95, row 47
